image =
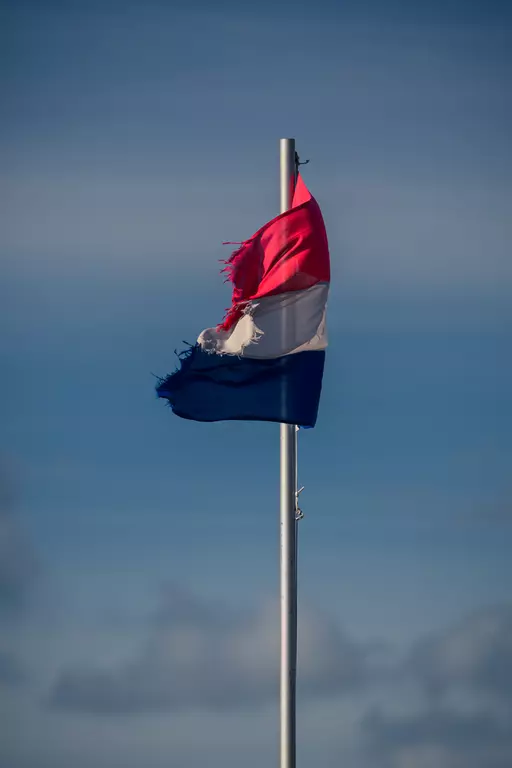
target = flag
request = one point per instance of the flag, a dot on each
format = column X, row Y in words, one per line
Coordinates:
column 265, row 361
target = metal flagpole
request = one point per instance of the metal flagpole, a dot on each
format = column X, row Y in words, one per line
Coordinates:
column 288, row 523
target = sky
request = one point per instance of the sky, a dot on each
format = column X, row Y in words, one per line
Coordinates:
column 139, row 553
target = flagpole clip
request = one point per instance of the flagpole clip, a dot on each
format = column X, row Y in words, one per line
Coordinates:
column 298, row 162
column 299, row 514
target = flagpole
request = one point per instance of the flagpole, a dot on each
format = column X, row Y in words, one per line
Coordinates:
column 288, row 532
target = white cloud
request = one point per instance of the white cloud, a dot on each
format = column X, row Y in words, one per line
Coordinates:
column 463, row 717
column 203, row 656
column 207, row 669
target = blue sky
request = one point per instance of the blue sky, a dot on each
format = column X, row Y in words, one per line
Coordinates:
column 139, row 556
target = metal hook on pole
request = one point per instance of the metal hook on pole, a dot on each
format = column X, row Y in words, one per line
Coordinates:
column 299, row 514
column 299, row 163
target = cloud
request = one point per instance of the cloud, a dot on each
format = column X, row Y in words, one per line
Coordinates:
column 442, row 704
column 18, row 563
column 391, row 232
column 475, row 655
column 438, row 738
column 463, row 682
column 109, row 223
column 200, row 655
column 11, row 670
column 395, row 233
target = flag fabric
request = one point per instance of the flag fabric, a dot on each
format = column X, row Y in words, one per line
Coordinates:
column 265, row 361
